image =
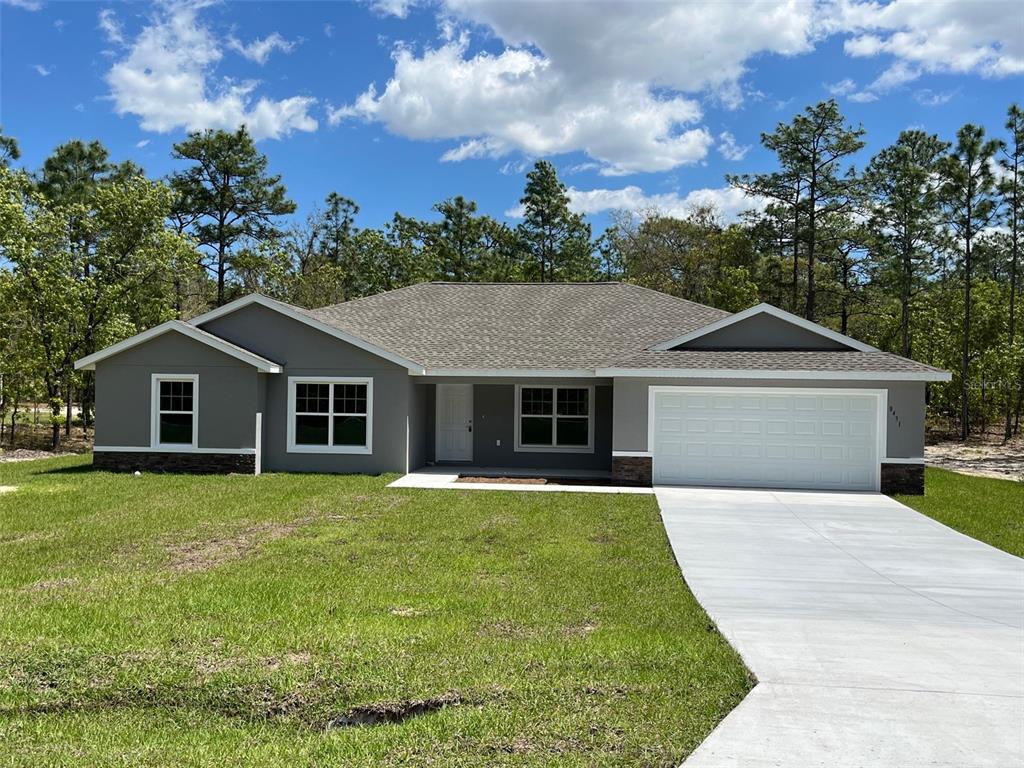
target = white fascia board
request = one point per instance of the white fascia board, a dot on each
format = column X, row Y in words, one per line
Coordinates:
column 511, row 373
column 729, row 373
column 312, row 322
column 766, row 309
column 88, row 363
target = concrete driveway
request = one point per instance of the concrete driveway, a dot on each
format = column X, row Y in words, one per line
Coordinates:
column 878, row 636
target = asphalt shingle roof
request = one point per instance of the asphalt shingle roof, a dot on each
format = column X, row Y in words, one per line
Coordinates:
column 563, row 326
column 775, row 360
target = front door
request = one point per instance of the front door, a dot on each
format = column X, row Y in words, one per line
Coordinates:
column 454, row 422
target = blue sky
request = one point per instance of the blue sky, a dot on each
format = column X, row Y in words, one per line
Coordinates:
column 399, row 105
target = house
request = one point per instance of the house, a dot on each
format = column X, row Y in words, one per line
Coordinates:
column 597, row 376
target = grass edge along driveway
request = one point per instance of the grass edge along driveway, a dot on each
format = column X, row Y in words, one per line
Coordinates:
column 183, row 620
column 985, row 508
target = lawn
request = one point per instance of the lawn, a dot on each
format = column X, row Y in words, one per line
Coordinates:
column 179, row 620
column 985, row 508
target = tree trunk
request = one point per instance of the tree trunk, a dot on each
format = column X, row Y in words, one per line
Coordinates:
column 905, row 302
column 965, row 358
column 69, row 412
column 1012, row 324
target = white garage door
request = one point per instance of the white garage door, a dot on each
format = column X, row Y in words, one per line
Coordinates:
column 763, row 438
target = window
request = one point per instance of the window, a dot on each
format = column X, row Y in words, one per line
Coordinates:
column 175, row 411
column 330, row 415
column 554, row 419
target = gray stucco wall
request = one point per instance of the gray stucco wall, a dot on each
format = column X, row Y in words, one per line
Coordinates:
column 904, row 428
column 418, row 424
column 305, row 351
column 228, row 393
column 763, row 332
column 494, row 421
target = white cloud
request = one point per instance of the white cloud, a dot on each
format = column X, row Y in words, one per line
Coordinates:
column 844, row 87
column 259, row 50
column 27, row 5
column 165, row 78
column 397, row 8
column 329, row 30
column 728, row 147
column 940, row 36
column 926, row 97
column 612, row 84
column 141, row 144
column 110, row 25
column 728, row 201
column 42, row 71
column 637, row 68
column 517, row 101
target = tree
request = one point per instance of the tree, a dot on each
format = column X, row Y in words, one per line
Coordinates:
column 70, row 179
column 557, row 238
column 812, row 182
column 1010, row 185
column 696, row 257
column 902, row 191
column 226, row 198
column 967, row 195
column 9, row 149
column 457, row 241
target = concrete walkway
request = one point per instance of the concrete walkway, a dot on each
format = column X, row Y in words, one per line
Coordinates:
column 583, row 481
column 878, row 636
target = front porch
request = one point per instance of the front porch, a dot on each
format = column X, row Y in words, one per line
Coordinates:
column 511, row 427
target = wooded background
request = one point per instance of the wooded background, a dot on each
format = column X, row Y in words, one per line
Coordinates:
column 915, row 251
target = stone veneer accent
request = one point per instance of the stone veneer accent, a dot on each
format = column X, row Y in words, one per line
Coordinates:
column 632, row 470
column 903, row 478
column 191, row 463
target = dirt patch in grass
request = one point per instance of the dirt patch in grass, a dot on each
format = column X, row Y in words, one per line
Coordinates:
column 51, row 585
column 979, row 456
column 394, row 712
column 8, row 488
column 406, row 612
column 27, row 454
column 204, row 554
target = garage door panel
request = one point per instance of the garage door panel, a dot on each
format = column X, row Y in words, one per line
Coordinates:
column 803, row 440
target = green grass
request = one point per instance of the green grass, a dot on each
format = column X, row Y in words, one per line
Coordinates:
column 984, row 508
column 178, row 620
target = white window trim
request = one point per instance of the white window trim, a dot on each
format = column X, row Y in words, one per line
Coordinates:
column 154, row 409
column 293, row 447
column 588, row 448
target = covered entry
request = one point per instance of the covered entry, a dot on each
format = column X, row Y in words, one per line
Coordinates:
column 767, row 437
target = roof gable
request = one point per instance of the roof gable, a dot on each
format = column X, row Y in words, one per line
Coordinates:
column 764, row 327
column 304, row 316
column 88, row 363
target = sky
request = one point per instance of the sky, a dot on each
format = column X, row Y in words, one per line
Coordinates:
column 399, row 105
